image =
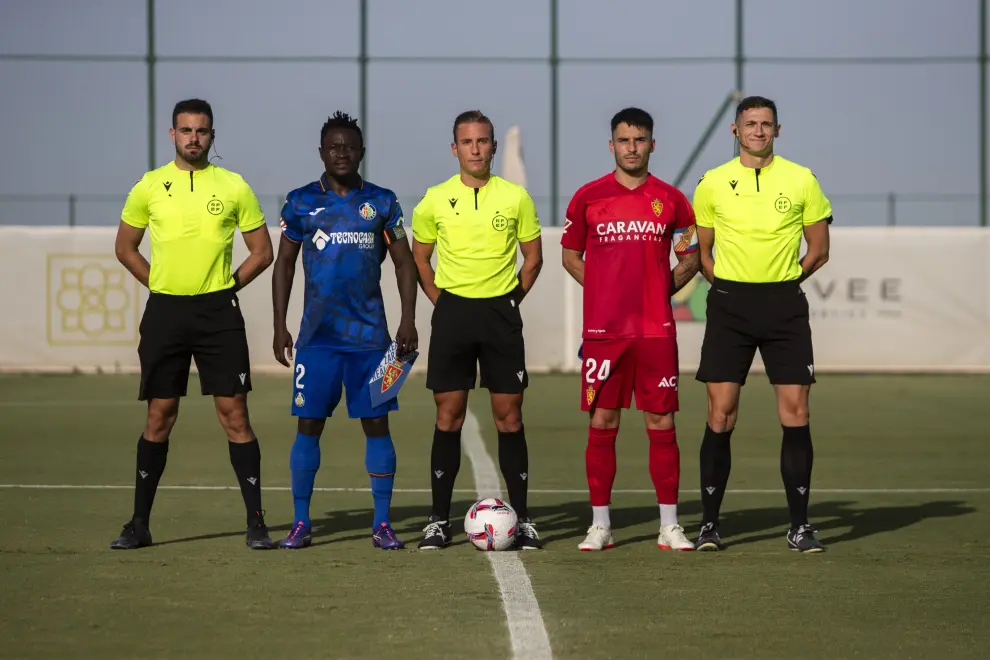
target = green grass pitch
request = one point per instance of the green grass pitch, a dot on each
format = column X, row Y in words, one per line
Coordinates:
column 900, row 494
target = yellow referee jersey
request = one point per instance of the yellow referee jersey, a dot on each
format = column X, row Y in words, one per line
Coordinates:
column 477, row 231
column 759, row 217
column 192, row 216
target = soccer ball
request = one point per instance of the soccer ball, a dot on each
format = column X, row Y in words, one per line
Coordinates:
column 490, row 524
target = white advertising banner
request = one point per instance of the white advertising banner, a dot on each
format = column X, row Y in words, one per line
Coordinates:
column 890, row 299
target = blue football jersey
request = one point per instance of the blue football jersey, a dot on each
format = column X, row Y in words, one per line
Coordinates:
column 344, row 243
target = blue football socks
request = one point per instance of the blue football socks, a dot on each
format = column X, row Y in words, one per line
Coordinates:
column 379, row 459
column 304, row 461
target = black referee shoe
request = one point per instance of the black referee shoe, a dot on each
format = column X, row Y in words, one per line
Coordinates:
column 257, row 537
column 135, row 535
column 802, row 539
column 526, row 536
column 436, row 534
column 708, row 539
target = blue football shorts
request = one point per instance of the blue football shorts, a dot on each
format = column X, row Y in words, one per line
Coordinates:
column 322, row 374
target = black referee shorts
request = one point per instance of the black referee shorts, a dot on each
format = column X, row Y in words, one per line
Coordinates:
column 208, row 328
column 744, row 317
column 467, row 332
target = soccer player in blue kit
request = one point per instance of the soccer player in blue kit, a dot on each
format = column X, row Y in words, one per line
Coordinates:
column 344, row 226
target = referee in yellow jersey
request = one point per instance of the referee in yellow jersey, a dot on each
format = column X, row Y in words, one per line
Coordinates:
column 476, row 219
column 192, row 209
column 754, row 210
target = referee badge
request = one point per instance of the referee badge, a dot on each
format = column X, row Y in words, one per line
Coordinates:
column 367, row 211
column 657, row 207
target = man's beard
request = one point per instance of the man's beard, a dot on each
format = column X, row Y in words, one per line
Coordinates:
column 203, row 156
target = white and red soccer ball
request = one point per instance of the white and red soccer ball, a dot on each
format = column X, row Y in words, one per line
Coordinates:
column 490, row 524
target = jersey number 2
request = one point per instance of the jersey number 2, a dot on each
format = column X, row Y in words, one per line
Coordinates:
column 589, row 374
column 300, row 372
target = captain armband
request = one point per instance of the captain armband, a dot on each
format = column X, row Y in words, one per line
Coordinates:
column 395, row 233
column 686, row 239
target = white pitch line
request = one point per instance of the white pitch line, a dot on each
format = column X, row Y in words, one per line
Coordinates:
column 124, row 401
column 194, row 488
column 527, row 634
column 542, row 491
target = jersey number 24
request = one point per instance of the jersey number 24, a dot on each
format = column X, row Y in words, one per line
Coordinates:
column 591, row 365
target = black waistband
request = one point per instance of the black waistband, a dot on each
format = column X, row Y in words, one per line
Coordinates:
column 504, row 296
column 756, row 287
column 193, row 299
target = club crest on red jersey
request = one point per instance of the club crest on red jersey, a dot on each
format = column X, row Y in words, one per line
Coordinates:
column 657, row 207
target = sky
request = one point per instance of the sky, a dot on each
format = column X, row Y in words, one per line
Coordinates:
column 868, row 129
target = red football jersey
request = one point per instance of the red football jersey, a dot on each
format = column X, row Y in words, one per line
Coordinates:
column 626, row 237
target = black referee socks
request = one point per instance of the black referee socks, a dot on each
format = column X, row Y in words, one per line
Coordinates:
column 245, row 458
column 716, row 462
column 151, row 458
column 796, row 458
column 445, row 462
column 513, row 459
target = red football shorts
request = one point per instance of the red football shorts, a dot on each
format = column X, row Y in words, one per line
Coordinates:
column 615, row 368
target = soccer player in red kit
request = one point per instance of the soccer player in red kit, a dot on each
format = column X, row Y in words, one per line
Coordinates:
column 617, row 240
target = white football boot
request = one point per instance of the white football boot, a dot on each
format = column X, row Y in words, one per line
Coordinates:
column 599, row 538
column 672, row 538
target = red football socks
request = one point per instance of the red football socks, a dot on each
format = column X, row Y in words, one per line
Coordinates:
column 599, row 460
column 665, row 464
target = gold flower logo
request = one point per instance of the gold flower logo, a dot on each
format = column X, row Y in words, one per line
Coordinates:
column 91, row 300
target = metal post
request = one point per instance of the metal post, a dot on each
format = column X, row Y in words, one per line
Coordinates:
column 152, row 158
column 891, row 209
column 740, row 54
column 740, row 61
column 733, row 96
column 363, row 81
column 554, row 116
column 72, row 209
column 983, row 113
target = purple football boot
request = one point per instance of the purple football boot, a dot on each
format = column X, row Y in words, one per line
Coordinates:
column 298, row 538
column 384, row 537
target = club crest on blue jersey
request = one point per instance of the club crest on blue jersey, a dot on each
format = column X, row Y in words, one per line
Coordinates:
column 367, row 211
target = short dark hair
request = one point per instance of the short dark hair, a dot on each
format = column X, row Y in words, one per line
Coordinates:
column 751, row 102
column 634, row 117
column 343, row 120
column 473, row 117
column 193, row 106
